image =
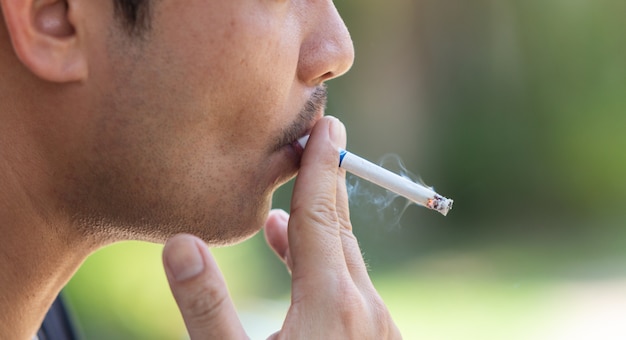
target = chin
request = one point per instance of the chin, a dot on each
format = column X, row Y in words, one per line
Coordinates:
column 232, row 221
column 238, row 222
column 241, row 232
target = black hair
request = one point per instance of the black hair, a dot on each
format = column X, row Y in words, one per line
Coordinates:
column 134, row 15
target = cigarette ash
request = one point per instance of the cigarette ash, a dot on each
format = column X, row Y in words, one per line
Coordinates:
column 378, row 204
column 441, row 204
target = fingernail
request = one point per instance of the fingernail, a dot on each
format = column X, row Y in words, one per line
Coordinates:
column 184, row 259
column 337, row 132
column 284, row 216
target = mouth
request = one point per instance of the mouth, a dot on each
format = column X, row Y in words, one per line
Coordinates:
column 310, row 114
column 297, row 147
column 294, row 149
column 287, row 152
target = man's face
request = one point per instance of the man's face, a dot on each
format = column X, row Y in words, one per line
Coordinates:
column 189, row 127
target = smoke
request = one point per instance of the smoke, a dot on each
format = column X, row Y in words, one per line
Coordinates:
column 374, row 203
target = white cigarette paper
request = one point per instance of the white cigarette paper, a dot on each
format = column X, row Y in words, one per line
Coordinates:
column 415, row 192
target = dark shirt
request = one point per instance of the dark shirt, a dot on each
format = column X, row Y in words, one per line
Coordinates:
column 57, row 325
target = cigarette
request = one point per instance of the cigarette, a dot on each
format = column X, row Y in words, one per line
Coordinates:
column 378, row 175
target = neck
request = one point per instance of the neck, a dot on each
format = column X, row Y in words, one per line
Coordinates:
column 35, row 265
column 39, row 248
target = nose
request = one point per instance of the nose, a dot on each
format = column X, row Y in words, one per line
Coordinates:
column 326, row 51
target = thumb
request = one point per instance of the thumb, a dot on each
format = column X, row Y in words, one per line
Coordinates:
column 199, row 289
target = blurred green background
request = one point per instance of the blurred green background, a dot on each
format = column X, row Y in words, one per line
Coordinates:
column 515, row 109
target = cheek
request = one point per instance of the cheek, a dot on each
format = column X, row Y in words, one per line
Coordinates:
column 240, row 80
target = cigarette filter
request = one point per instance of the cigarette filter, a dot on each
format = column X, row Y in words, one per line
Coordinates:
column 378, row 175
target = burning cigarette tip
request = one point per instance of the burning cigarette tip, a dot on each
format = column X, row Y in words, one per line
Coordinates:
column 440, row 204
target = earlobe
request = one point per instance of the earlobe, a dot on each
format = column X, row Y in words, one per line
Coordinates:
column 45, row 39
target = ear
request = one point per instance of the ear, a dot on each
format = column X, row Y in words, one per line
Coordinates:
column 45, row 39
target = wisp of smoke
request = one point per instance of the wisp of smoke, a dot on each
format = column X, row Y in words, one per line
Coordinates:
column 377, row 203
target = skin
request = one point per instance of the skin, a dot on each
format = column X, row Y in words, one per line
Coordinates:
column 185, row 129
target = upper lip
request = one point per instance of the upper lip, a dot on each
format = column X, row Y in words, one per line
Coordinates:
column 312, row 112
column 317, row 102
column 318, row 116
column 307, row 131
column 295, row 143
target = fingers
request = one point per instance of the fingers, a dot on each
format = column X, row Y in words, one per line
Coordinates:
column 276, row 235
column 320, row 211
column 351, row 250
column 200, row 290
column 343, row 206
column 314, row 232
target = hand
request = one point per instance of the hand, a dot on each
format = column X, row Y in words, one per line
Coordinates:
column 332, row 294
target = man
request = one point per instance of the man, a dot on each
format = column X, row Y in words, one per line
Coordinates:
column 140, row 119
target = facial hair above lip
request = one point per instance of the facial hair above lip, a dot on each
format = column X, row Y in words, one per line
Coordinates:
column 305, row 119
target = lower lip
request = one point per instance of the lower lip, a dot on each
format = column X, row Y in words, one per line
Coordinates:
column 297, row 147
column 292, row 153
column 284, row 164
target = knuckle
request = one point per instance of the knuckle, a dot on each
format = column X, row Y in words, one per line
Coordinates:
column 381, row 321
column 364, row 316
column 349, row 236
column 351, row 307
column 206, row 304
column 324, row 203
column 318, row 212
column 346, row 224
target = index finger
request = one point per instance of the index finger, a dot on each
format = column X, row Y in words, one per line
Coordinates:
column 314, row 229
